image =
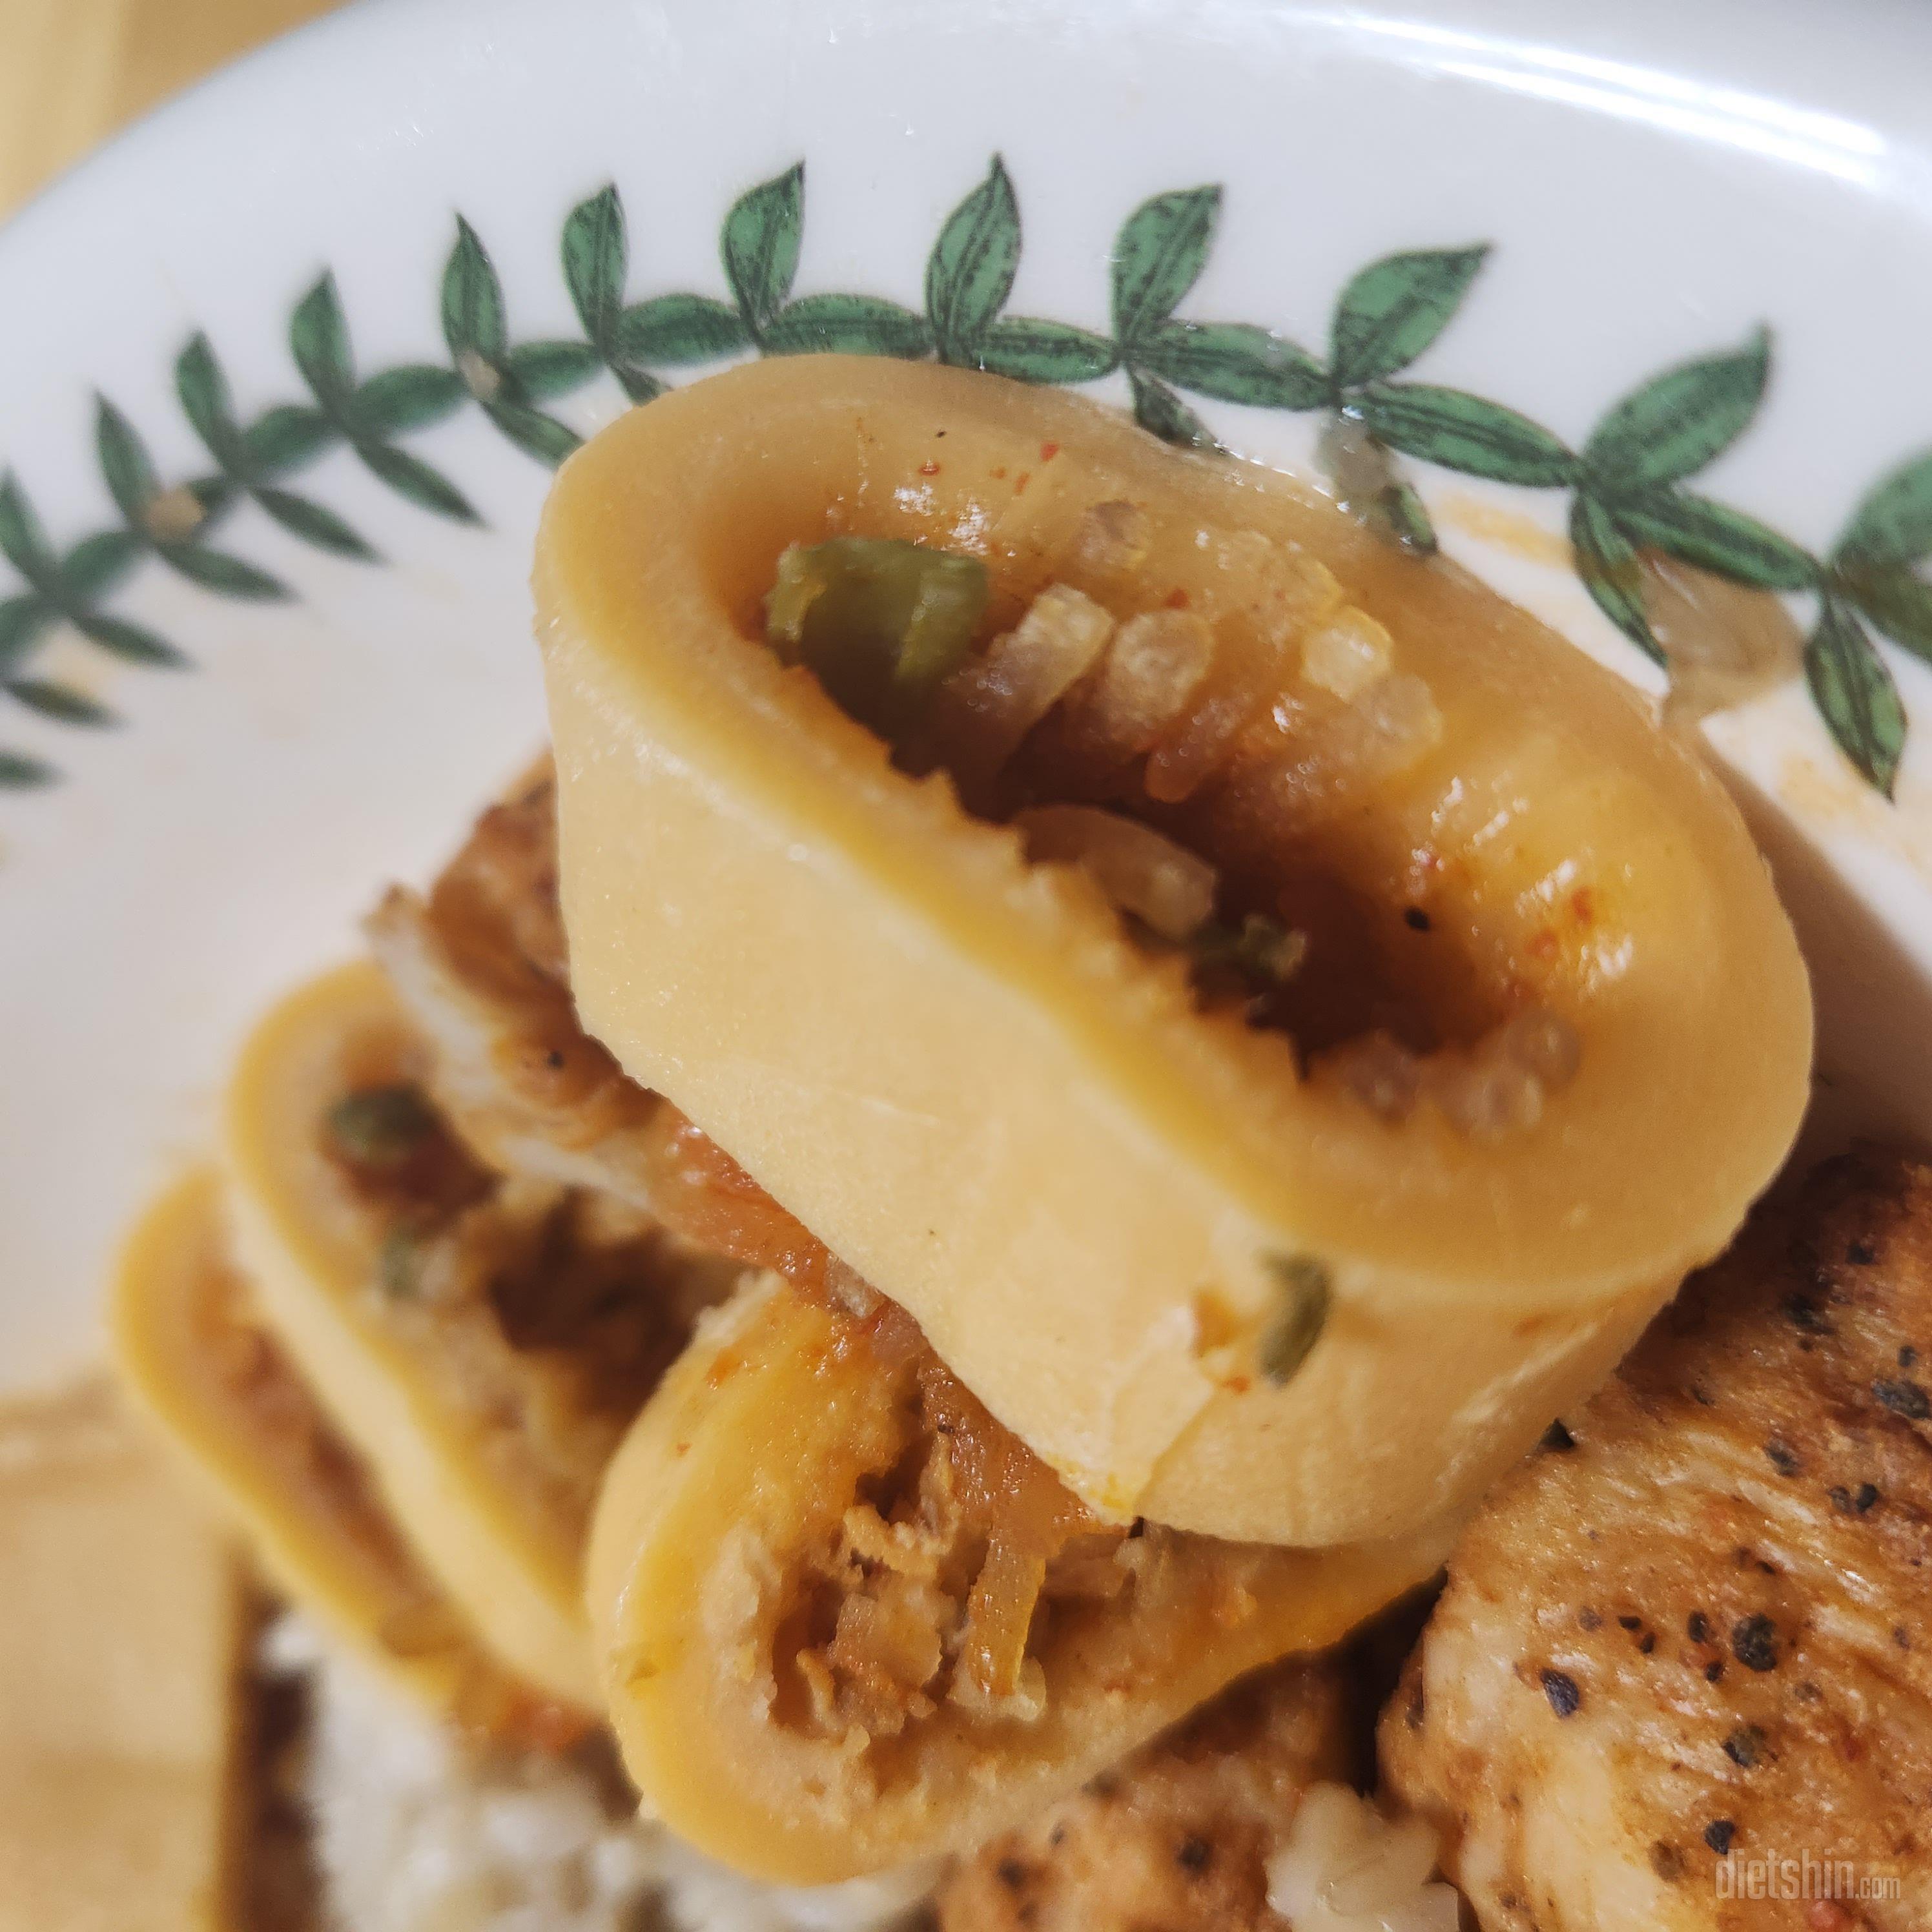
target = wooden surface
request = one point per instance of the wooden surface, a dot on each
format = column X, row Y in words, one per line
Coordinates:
column 72, row 71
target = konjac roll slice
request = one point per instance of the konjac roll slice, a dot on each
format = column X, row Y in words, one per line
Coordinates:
column 845, row 1620
column 190, row 1343
column 480, row 1340
column 1279, row 1019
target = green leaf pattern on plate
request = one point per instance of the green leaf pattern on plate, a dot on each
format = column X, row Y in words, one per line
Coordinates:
column 1234, row 362
column 1159, row 410
column 1855, row 692
column 1607, row 561
column 1392, row 311
column 1456, row 431
column 760, row 247
column 1032, row 351
column 1895, row 601
column 849, row 325
column 1158, row 255
column 1679, row 421
column 1894, row 523
column 1712, row 536
column 1626, row 481
column 969, row 273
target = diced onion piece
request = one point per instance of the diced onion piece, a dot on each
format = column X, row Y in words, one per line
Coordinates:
column 1406, row 724
column 1336, row 756
column 1276, row 596
column 1347, row 655
column 1112, row 539
column 1484, row 1095
column 1496, row 1087
column 1357, row 465
column 999, row 1614
column 1381, row 1073
column 1500, row 1084
column 1280, row 593
column 1184, row 759
column 1156, row 664
column 1241, row 684
column 987, row 706
column 1544, row 1042
column 1141, row 870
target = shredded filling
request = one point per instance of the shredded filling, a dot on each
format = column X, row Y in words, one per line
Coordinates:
column 940, row 1569
column 1139, row 730
column 545, row 1314
column 964, row 1560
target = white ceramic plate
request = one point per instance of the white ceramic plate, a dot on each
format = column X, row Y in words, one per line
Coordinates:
column 1579, row 202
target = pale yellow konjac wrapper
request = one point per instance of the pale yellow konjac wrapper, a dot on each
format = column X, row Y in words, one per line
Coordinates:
column 311, row 1252
column 965, row 1076
column 307, row 1522
column 721, row 1552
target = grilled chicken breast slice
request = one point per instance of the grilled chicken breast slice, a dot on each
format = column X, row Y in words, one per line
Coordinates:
column 1680, row 1678
column 1179, row 1835
column 481, row 965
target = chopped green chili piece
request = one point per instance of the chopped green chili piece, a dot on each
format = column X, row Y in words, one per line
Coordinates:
column 399, row 1267
column 1261, row 948
column 1297, row 1323
column 381, row 1129
column 881, row 622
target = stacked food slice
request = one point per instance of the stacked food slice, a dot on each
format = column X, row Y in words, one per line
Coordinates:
column 405, row 1356
column 1077, row 1058
column 1248, row 1025
column 1217, row 920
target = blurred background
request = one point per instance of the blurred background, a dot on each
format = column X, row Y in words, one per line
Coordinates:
column 74, row 71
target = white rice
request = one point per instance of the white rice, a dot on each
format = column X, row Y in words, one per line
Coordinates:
column 412, row 1833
